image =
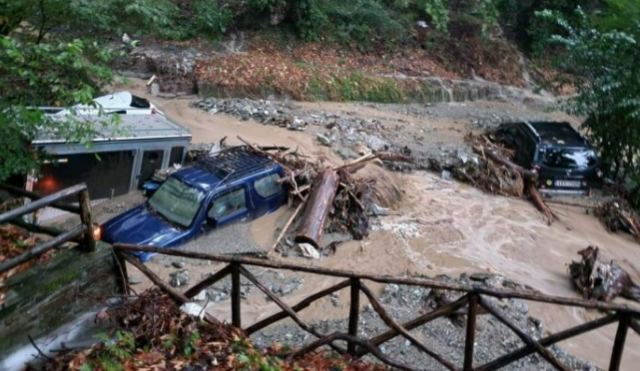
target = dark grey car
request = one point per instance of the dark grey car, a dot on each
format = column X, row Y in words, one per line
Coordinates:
column 564, row 160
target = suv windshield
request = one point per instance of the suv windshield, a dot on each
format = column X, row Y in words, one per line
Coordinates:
column 177, row 202
column 569, row 157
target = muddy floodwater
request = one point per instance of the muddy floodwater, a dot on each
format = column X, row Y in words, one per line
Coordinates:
column 440, row 227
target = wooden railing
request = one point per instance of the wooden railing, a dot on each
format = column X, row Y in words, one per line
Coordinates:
column 81, row 233
column 474, row 297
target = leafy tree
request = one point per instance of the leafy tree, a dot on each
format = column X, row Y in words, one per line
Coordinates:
column 608, row 82
column 61, row 73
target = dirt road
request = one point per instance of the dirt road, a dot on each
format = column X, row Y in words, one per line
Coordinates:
column 442, row 226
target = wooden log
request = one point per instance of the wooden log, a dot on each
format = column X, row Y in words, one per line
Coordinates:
column 398, row 327
column 354, row 313
column 87, row 219
column 496, row 157
column 42, row 248
column 349, row 339
column 500, row 293
column 40, row 203
column 618, row 344
column 236, row 296
column 286, row 227
column 544, row 352
column 290, row 312
column 34, row 196
column 539, row 203
column 470, row 338
column 547, row 341
column 296, row 308
column 318, row 206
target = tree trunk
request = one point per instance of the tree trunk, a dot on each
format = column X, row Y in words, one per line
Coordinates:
column 317, row 209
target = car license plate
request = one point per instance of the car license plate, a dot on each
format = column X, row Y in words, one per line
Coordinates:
column 568, row 183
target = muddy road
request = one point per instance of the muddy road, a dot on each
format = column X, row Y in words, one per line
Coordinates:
column 440, row 227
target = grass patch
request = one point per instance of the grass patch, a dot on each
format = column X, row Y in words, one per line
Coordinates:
column 355, row 86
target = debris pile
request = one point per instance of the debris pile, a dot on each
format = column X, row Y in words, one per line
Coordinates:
column 152, row 332
column 599, row 280
column 618, row 215
column 494, row 171
column 330, row 198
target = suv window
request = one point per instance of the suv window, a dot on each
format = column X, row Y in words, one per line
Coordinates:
column 227, row 204
column 268, row 186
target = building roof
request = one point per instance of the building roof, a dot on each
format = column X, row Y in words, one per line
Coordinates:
column 558, row 133
column 126, row 128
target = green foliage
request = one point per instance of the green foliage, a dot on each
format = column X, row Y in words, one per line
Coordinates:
column 164, row 18
column 606, row 64
column 438, row 11
column 211, row 19
column 32, row 75
column 618, row 14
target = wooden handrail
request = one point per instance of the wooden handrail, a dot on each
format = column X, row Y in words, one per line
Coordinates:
column 42, row 202
column 35, row 196
column 423, row 282
column 359, row 347
column 38, row 250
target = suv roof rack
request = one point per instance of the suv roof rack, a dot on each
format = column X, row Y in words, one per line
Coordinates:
column 233, row 163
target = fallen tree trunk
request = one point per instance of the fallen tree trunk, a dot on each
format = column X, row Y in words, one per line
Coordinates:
column 539, row 203
column 318, row 207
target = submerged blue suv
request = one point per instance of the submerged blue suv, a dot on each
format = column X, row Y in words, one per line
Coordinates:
column 235, row 184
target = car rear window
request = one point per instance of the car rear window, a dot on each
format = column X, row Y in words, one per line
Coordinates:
column 569, row 157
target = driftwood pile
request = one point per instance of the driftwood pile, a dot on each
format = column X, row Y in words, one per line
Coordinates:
column 495, row 172
column 600, row 280
column 326, row 197
column 618, row 215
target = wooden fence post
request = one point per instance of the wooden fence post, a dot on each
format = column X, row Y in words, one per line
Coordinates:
column 236, row 316
column 354, row 312
column 618, row 345
column 471, row 332
column 87, row 220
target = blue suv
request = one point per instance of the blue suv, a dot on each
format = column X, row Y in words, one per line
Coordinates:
column 235, row 184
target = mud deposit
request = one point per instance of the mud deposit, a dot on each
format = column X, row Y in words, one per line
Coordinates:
column 441, row 226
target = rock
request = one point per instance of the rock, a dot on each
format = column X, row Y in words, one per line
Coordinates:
column 376, row 144
column 178, row 264
column 308, row 251
column 179, row 278
column 325, row 141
